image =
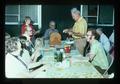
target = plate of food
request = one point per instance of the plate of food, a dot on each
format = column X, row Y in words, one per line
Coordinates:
column 69, row 42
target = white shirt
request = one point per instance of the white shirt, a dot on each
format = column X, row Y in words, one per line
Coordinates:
column 105, row 42
column 26, row 57
column 16, row 69
column 13, row 67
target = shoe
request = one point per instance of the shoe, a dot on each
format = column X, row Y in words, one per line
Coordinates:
column 111, row 75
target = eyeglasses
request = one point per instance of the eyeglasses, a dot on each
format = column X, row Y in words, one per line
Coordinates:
column 88, row 35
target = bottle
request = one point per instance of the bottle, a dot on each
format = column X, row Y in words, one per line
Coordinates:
column 62, row 54
column 55, row 56
column 60, row 57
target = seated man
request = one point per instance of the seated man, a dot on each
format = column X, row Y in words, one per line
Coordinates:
column 96, row 54
column 50, row 30
column 103, row 40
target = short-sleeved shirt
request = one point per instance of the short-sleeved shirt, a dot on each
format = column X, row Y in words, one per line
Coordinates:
column 48, row 32
column 105, row 42
column 80, row 26
column 100, row 58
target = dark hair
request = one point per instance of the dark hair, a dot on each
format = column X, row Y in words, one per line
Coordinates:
column 23, row 37
column 23, row 45
column 94, row 33
column 28, row 17
column 52, row 21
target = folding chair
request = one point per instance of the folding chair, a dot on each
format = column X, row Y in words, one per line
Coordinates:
column 110, row 60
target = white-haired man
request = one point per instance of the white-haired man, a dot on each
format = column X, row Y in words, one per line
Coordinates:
column 103, row 40
column 78, row 31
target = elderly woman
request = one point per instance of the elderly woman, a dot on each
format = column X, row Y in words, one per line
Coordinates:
column 15, row 65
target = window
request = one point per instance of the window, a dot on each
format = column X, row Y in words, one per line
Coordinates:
column 28, row 10
column 90, row 13
column 105, row 14
column 15, row 14
column 12, row 14
column 101, row 15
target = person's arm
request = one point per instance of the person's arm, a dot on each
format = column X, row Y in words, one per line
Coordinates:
column 106, row 44
column 35, row 54
column 36, row 32
column 23, row 29
column 46, row 34
column 33, row 30
column 92, row 53
column 111, row 38
column 67, row 30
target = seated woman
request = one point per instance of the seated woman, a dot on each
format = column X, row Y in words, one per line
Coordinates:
column 15, row 65
column 27, row 28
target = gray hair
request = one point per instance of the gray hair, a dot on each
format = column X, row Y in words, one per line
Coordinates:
column 11, row 45
column 39, row 42
column 100, row 29
column 75, row 11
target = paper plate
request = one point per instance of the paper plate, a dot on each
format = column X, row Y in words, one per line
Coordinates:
column 69, row 42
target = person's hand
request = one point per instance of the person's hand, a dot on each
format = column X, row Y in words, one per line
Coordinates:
column 65, row 31
column 70, row 33
column 90, row 55
column 36, row 32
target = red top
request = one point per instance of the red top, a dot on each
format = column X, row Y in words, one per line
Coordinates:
column 23, row 29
